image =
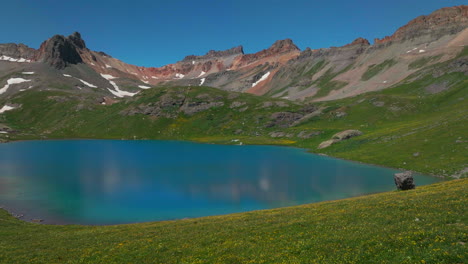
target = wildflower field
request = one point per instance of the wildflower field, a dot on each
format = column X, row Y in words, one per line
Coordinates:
column 425, row 225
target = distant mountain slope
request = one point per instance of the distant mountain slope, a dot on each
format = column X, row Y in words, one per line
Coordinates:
column 281, row 70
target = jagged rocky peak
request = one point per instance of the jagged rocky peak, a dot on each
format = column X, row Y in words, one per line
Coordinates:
column 448, row 20
column 358, row 41
column 60, row 51
column 282, row 46
column 233, row 51
column 239, row 50
column 76, row 39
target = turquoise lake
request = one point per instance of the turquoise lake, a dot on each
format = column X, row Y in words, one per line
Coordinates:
column 110, row 181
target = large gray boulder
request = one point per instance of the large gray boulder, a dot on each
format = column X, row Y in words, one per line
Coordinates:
column 404, row 180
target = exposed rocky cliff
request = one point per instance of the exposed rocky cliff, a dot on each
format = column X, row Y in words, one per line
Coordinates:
column 449, row 20
column 60, row 51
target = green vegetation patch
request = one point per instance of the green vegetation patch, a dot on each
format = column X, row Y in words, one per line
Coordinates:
column 419, row 63
column 326, row 83
column 377, row 68
column 316, row 68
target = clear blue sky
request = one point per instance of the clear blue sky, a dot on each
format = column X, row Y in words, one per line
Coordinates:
column 155, row 33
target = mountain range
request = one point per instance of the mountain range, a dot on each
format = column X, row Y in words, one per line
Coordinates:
column 282, row 70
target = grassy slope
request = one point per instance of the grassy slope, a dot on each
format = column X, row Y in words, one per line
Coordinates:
column 376, row 69
column 411, row 121
column 426, row 225
column 41, row 116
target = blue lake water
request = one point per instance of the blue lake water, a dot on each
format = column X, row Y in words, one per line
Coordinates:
column 112, row 181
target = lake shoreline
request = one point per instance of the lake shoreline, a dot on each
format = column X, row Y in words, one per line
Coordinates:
column 307, row 150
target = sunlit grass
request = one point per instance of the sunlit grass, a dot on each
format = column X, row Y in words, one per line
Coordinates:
column 426, row 225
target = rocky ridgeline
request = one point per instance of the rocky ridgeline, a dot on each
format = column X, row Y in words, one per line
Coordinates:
column 279, row 47
column 449, row 20
column 17, row 51
column 212, row 54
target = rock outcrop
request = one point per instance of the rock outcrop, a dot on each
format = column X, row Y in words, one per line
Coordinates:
column 404, row 181
column 347, row 134
column 283, row 119
column 170, row 105
column 190, row 108
column 343, row 135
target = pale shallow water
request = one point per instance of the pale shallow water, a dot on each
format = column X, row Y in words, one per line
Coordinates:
column 111, row 181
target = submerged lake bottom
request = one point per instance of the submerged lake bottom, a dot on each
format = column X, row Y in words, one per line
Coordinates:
column 101, row 182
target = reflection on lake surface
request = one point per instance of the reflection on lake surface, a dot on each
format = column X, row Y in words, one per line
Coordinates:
column 109, row 182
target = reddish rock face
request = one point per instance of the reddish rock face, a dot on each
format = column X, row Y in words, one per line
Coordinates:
column 441, row 21
column 279, row 47
column 358, row 41
column 207, row 66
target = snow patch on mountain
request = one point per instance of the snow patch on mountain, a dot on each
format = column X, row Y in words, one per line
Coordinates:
column 264, row 77
column 144, row 87
column 88, row 84
column 202, row 81
column 84, row 82
column 6, row 108
column 6, row 58
column 117, row 92
column 108, row 76
column 12, row 81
